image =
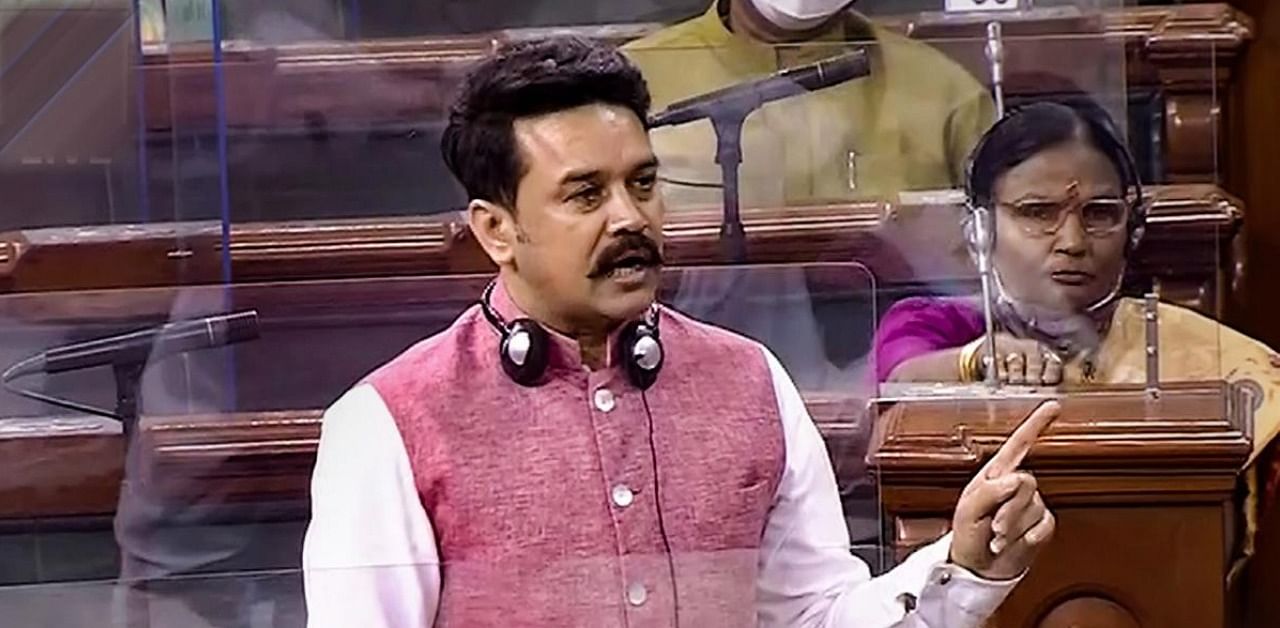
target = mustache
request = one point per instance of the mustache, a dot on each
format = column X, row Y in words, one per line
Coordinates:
column 628, row 247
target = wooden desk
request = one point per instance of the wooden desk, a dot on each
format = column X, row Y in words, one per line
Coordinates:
column 1184, row 52
column 1191, row 251
column 73, row 467
column 1144, row 492
column 351, row 129
column 317, row 339
column 1163, row 475
column 1179, row 62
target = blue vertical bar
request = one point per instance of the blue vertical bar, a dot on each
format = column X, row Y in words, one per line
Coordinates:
column 353, row 20
column 220, row 104
column 140, row 77
column 224, row 187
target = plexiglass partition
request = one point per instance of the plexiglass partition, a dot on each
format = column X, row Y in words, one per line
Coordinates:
column 817, row 320
column 166, row 161
column 213, row 500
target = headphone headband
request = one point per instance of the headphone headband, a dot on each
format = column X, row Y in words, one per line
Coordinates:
column 495, row 319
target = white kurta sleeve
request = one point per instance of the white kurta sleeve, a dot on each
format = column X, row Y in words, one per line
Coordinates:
column 808, row 578
column 369, row 558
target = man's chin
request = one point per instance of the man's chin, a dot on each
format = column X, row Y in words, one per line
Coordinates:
column 626, row 280
column 626, row 296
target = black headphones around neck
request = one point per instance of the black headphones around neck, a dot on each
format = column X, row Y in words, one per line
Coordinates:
column 525, row 347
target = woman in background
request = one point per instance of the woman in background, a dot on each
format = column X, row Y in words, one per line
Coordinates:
column 1068, row 214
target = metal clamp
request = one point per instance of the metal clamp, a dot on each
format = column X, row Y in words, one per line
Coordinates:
column 1151, row 315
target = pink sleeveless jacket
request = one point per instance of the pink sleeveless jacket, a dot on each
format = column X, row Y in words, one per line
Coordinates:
column 585, row 502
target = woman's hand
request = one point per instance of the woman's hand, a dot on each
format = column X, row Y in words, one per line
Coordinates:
column 1020, row 361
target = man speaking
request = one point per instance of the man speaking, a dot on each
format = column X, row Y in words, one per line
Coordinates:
column 572, row 453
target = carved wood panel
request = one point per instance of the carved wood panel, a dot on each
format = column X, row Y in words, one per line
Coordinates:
column 1143, row 491
column 1188, row 247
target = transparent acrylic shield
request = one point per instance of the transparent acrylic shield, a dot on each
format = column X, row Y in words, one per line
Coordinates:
column 284, row 160
column 1139, row 329
column 73, row 167
column 898, row 106
column 217, row 495
column 816, row 319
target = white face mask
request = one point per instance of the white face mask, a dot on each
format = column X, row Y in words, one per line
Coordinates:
column 798, row 14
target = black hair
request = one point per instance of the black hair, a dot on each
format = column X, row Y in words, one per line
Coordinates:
column 1028, row 130
column 527, row 79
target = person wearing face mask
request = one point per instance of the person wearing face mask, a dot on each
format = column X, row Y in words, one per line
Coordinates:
column 1068, row 214
column 907, row 126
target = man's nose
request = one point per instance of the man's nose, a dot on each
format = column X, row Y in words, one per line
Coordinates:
column 625, row 214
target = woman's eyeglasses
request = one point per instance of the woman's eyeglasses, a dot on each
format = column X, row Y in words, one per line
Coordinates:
column 1098, row 216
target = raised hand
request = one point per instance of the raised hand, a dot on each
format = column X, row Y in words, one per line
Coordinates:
column 1001, row 523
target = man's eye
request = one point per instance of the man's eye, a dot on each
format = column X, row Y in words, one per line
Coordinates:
column 588, row 195
column 646, row 182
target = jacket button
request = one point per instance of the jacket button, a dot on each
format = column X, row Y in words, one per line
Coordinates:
column 622, row 495
column 637, row 594
column 604, row 400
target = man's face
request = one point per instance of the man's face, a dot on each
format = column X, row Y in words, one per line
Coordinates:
column 588, row 216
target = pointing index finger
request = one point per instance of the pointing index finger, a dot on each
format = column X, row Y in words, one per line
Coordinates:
column 1011, row 453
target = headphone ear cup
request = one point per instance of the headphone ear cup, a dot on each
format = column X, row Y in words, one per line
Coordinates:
column 969, row 231
column 1137, row 224
column 640, row 352
column 1135, row 237
column 524, row 352
column 966, row 231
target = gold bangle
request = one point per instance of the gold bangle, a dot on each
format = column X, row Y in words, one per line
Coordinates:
column 969, row 368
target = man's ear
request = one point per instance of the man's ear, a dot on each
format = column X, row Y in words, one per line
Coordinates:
column 494, row 227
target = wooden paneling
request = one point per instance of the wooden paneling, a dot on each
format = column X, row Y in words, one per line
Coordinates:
column 1262, row 605
column 349, row 129
column 1252, row 154
column 1140, row 487
column 240, row 457
column 1189, row 249
column 1186, row 50
column 333, row 83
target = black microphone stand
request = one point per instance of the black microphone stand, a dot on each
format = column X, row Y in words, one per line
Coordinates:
column 728, row 126
column 128, row 399
column 128, row 376
column 728, row 108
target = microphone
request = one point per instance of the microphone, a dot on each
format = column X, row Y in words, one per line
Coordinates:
column 728, row 109
column 994, row 51
column 136, row 347
column 983, row 235
column 746, row 97
column 984, row 239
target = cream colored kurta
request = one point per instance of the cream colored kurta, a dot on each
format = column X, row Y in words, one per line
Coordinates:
column 1194, row 347
column 909, row 125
